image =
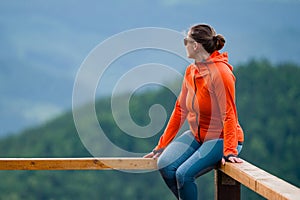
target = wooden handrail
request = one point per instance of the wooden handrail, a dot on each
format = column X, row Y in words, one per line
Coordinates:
column 258, row 180
column 77, row 163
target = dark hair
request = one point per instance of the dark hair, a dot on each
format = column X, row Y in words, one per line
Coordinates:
column 206, row 35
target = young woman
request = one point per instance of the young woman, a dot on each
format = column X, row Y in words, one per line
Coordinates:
column 207, row 101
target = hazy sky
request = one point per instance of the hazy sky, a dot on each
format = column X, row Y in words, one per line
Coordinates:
column 45, row 42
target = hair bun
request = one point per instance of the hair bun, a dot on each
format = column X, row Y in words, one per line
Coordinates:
column 207, row 36
column 219, row 41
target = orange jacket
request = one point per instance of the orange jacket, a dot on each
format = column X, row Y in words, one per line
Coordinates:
column 207, row 101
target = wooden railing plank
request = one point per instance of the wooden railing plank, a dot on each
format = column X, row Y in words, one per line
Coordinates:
column 245, row 173
column 261, row 182
column 77, row 163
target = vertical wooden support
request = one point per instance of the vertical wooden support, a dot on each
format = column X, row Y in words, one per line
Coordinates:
column 226, row 188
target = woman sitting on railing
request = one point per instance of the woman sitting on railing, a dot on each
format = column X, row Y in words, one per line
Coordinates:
column 207, row 101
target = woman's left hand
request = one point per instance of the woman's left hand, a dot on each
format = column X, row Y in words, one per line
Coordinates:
column 232, row 159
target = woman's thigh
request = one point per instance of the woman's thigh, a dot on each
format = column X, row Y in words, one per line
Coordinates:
column 202, row 160
column 178, row 151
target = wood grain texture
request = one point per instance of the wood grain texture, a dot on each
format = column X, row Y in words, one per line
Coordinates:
column 77, row 163
column 261, row 182
column 258, row 180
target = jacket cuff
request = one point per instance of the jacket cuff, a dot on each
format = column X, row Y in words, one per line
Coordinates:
column 155, row 151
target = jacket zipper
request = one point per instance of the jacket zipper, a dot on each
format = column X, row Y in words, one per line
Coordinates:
column 197, row 117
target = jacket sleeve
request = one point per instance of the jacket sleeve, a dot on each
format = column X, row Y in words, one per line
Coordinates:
column 176, row 120
column 224, row 85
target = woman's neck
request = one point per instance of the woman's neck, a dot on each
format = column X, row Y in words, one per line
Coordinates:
column 201, row 57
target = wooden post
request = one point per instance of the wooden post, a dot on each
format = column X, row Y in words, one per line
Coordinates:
column 226, row 188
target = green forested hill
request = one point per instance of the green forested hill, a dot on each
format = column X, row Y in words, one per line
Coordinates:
column 268, row 100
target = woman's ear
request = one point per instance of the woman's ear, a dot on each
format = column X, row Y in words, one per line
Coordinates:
column 195, row 46
column 199, row 48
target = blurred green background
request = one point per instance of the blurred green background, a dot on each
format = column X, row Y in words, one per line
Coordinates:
column 44, row 43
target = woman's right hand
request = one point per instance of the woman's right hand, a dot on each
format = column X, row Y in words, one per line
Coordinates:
column 149, row 155
column 154, row 154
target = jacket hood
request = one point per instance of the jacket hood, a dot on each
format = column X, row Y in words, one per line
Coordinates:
column 216, row 56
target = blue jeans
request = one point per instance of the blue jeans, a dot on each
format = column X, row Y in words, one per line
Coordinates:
column 185, row 159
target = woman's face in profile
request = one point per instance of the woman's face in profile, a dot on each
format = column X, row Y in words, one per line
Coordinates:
column 189, row 45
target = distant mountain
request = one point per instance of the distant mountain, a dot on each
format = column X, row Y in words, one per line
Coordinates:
column 30, row 95
column 44, row 43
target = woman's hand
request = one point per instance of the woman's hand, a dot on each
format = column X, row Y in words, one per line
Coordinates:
column 154, row 154
column 232, row 159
